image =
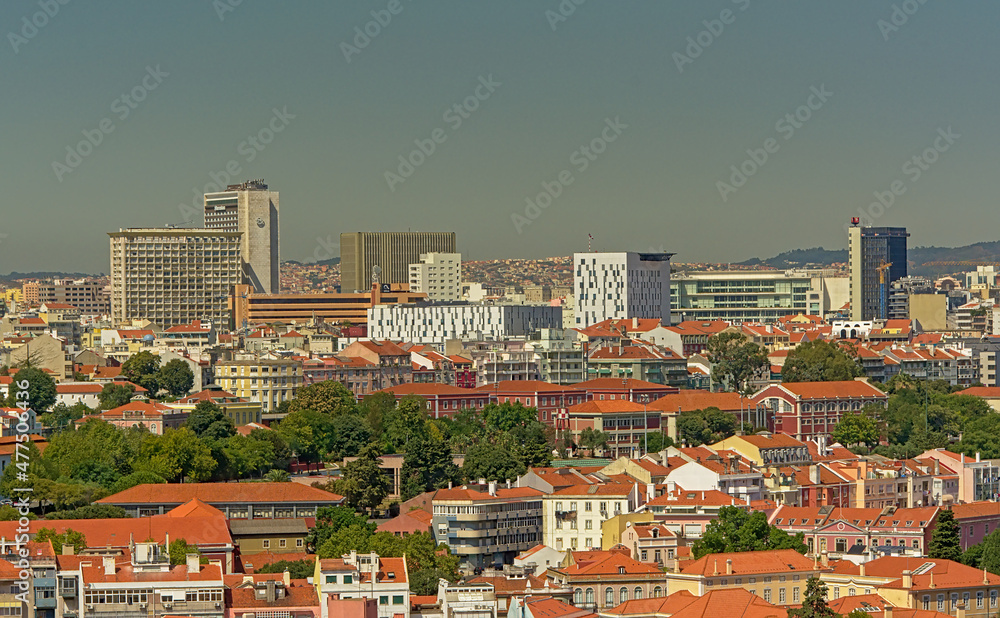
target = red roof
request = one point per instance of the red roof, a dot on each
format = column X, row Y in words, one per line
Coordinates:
column 116, row 532
column 842, row 389
column 468, row 493
column 217, row 493
column 987, row 392
column 750, row 563
column 687, row 400
column 525, row 386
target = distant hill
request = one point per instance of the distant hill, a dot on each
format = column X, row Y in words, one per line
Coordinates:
column 330, row 262
column 918, row 258
column 14, row 276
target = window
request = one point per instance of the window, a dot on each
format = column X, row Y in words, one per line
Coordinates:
column 767, row 594
column 348, row 579
column 927, row 601
column 397, row 599
column 589, row 506
column 623, row 594
column 578, row 597
column 840, row 545
column 645, row 555
column 781, row 595
column 637, row 593
column 590, row 596
column 851, row 592
column 609, row 597
column 993, row 598
column 589, row 525
column 331, row 579
column 979, row 600
column 940, row 602
column 657, row 591
column 299, row 542
column 836, row 592
column 282, row 543
column 795, row 594
column 954, row 600
column 383, row 600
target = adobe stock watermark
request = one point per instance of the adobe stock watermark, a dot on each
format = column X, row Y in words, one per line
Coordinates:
column 713, row 30
column 33, row 24
column 366, row 33
column 22, row 502
column 248, row 150
column 914, row 169
column 225, row 6
column 122, row 107
column 899, row 17
column 455, row 115
column 580, row 159
column 564, row 10
column 324, row 249
column 786, row 126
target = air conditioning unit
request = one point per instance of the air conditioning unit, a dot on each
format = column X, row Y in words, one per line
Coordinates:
column 142, row 606
column 90, row 606
column 168, row 604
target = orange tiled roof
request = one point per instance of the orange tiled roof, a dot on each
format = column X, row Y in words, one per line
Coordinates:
column 748, row 563
column 180, row 493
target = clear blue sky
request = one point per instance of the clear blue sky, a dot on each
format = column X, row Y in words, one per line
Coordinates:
column 655, row 185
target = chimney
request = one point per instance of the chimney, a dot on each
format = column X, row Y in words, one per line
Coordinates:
column 269, row 587
column 715, row 571
column 247, row 579
column 931, row 584
column 824, row 558
column 908, row 579
column 449, row 484
column 960, row 610
column 977, row 456
column 671, row 487
column 635, row 323
column 729, row 566
column 193, row 563
column 937, row 467
column 286, row 577
column 861, row 569
column 493, row 488
column 887, row 611
column 109, row 565
column 508, row 483
column 67, row 550
column 814, row 474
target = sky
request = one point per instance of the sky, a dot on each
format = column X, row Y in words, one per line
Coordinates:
column 719, row 130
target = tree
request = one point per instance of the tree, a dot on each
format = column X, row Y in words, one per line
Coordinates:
column 307, row 433
column 486, row 461
column 143, row 369
column 697, row 427
column 736, row 530
column 593, row 439
column 402, row 423
column 374, row 409
column 428, row 465
column 136, row 478
column 180, row 454
column 208, row 420
column 175, row 377
column 114, row 395
column 40, row 387
column 350, row 434
column 814, row 604
column 62, row 416
column 330, row 397
column 297, row 569
column 946, row 540
column 277, row 476
column 820, row 361
column 859, row 427
column 364, row 484
column 342, row 541
column 68, row 537
column 179, row 549
column 736, row 361
column 657, row 441
column 990, row 559
column 331, row 519
column 9, row 513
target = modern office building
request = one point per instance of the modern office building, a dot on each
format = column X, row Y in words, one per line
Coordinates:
column 621, row 286
column 392, row 252
column 434, row 324
column 252, row 308
column 756, row 296
column 252, row 209
column 173, row 276
column 439, row 275
column 877, row 257
column 90, row 297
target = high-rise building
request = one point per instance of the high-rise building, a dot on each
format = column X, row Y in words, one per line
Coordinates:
column 173, row 276
column 621, row 286
column 252, row 209
column 438, row 275
column 392, row 252
column 877, row 257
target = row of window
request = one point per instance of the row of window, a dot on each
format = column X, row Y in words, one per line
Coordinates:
column 282, row 543
column 980, row 596
column 581, row 596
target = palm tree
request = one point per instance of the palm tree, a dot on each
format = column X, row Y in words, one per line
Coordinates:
column 277, row 476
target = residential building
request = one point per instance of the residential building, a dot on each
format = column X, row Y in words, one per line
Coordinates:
column 551, row 400
column 604, row 579
column 626, row 423
column 438, row 275
column 252, row 210
column 241, row 411
column 236, row 500
column 756, row 296
column 173, row 276
column 488, row 525
column 638, row 360
column 559, row 358
column 391, row 252
column 690, row 400
column 978, row 479
column 573, row 516
column 859, row 533
column 976, row 521
column 269, row 595
column 807, row 410
column 688, row 513
column 367, row 576
column 391, row 362
column 877, row 258
column 155, row 417
column 539, row 558
column 767, row 449
column 704, row 468
column 777, row 576
column 278, row 536
column 653, row 542
column 467, row 600
column 442, row 400
column 543, row 606
column 621, row 286
column 434, row 324
column 89, row 297
column 264, row 381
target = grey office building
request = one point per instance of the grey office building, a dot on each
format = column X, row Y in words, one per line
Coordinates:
column 250, row 208
column 393, row 252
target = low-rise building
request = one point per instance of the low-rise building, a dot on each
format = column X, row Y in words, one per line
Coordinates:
column 236, row 500
column 604, row 579
column 573, row 515
column 364, row 576
column 265, row 381
column 777, row 576
column 807, row 410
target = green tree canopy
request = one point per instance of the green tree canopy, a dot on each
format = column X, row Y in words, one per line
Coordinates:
column 428, row 465
column 297, row 569
column 208, row 420
column 69, row 537
column 179, row 454
column 736, row 530
column 330, row 397
column 175, row 377
column 860, row 427
column 91, row 511
column 115, row 395
column 143, row 369
column 309, row 434
column 593, row 439
column 364, row 484
column 990, row 553
column 486, row 461
column 946, row 540
column 814, row 603
column 736, row 361
column 331, row 519
column 820, row 361
column 350, row 434
column 41, row 389
column 708, row 426
column 61, row 416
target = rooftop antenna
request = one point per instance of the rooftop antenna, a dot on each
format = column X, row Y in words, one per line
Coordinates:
column 590, row 242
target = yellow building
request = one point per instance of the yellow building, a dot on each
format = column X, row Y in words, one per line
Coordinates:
column 767, row 449
column 268, row 382
column 777, row 576
column 240, row 410
column 612, row 529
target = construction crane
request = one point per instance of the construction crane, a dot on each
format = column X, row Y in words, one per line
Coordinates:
column 883, row 311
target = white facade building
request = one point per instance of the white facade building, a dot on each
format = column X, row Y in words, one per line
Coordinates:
column 621, row 286
column 438, row 275
column 434, row 324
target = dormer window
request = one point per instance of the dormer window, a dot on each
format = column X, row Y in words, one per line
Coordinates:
column 621, row 570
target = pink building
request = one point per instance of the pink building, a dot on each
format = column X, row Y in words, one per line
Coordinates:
column 976, row 520
column 155, row 417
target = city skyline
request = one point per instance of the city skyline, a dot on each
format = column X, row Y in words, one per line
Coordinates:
column 638, row 127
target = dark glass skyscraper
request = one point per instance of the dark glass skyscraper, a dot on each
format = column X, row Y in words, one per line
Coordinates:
column 872, row 250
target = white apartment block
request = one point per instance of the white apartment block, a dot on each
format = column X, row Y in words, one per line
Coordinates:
column 435, row 324
column 173, row 276
column 572, row 517
column 621, row 286
column 268, row 382
column 439, row 275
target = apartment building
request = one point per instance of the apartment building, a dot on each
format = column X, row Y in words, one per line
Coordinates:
column 777, row 576
column 486, row 525
column 626, row 423
column 268, row 382
column 573, row 516
column 604, row 579
column 435, row 324
column 622, row 285
column 559, row 357
column 438, row 275
column 173, row 276
column 90, row 297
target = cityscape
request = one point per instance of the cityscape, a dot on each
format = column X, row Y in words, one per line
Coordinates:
column 512, row 345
